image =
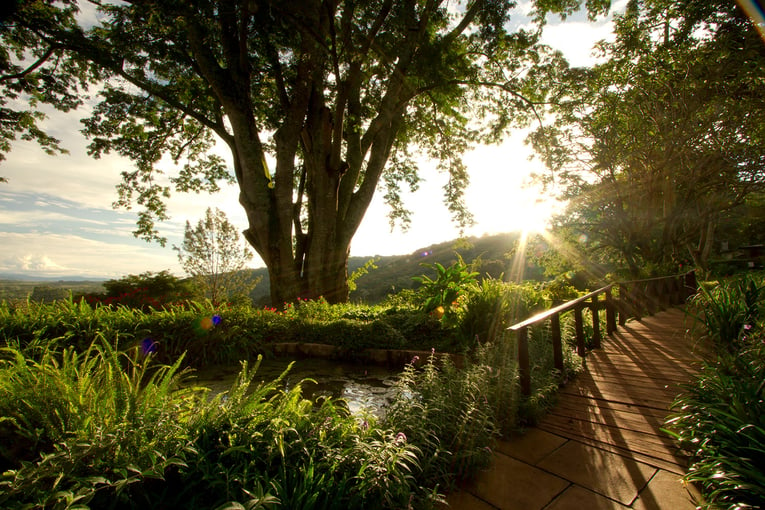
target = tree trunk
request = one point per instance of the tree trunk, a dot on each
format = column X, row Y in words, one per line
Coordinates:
column 324, row 274
column 303, row 233
column 700, row 254
column 310, row 263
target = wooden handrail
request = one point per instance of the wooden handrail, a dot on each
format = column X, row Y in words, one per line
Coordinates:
column 636, row 298
column 565, row 307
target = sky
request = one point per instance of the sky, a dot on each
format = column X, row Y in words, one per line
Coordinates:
column 57, row 219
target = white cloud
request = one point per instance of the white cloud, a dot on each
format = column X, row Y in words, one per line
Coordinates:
column 74, row 176
column 36, row 263
column 70, row 255
column 576, row 39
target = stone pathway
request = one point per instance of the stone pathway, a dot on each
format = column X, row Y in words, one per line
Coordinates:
column 601, row 447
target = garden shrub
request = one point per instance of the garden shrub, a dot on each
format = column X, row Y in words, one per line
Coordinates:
column 97, row 422
column 719, row 420
column 112, row 430
column 728, row 307
column 494, row 306
column 721, row 425
column 446, row 412
column 209, row 335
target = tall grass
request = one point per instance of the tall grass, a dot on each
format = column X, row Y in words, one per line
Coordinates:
column 447, row 414
column 728, row 307
column 720, row 418
column 102, row 429
column 76, row 425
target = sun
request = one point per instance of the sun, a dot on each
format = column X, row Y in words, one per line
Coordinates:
column 539, row 213
column 528, row 209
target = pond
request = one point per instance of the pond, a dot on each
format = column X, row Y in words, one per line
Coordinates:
column 363, row 387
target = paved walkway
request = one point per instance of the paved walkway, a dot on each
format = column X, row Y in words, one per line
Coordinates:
column 600, row 448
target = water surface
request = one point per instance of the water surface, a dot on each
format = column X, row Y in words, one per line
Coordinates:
column 365, row 388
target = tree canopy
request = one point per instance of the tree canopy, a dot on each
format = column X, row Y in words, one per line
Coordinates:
column 320, row 103
column 658, row 144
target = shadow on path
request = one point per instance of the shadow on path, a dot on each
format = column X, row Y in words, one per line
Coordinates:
column 601, row 447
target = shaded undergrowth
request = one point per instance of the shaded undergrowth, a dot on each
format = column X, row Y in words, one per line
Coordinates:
column 96, row 410
column 720, row 418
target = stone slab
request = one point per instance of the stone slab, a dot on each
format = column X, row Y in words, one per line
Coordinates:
column 514, row 485
column 532, row 446
column 666, row 491
column 608, row 474
column 578, row 498
column 463, row 500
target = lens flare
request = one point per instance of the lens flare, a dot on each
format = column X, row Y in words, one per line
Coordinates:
column 756, row 14
column 148, row 346
column 205, row 324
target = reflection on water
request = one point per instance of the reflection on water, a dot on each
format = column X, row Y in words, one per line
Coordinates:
column 363, row 387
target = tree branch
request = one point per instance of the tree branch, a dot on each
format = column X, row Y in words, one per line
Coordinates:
column 32, row 67
column 467, row 19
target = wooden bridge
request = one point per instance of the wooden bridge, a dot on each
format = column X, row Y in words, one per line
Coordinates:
column 602, row 446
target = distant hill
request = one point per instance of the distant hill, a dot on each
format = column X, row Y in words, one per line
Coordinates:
column 22, row 286
column 395, row 272
column 23, row 277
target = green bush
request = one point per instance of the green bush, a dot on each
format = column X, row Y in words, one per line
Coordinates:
column 450, row 283
column 721, row 424
column 720, row 418
column 104, row 429
column 728, row 307
column 213, row 336
column 494, row 306
column 93, row 423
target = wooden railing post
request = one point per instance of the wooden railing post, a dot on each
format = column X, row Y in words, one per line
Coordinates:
column 623, row 303
column 637, row 303
column 664, row 294
column 649, row 298
column 523, row 361
column 595, row 323
column 557, row 343
column 579, row 327
column 680, row 294
column 690, row 285
column 610, row 312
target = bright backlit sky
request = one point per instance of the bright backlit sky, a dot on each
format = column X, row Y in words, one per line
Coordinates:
column 56, row 218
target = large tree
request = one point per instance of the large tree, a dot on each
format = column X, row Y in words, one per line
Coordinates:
column 663, row 139
column 337, row 95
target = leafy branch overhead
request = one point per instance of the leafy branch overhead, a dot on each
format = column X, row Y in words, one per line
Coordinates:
column 658, row 145
column 319, row 104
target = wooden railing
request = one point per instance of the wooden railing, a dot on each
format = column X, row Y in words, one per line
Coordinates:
column 634, row 299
